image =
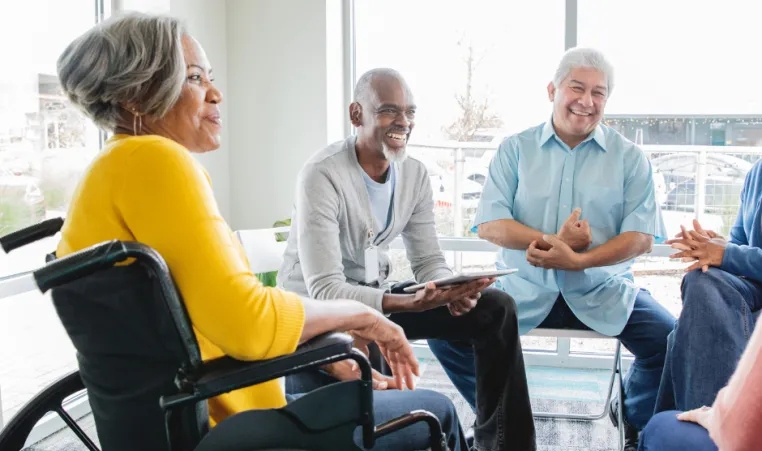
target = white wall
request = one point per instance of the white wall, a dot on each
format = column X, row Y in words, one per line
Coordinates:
column 206, row 21
column 280, row 67
column 278, row 101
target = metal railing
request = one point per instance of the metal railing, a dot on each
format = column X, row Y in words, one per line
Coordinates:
column 702, row 180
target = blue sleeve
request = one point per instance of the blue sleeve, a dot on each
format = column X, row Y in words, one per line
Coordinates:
column 743, row 260
column 641, row 212
column 500, row 187
column 738, row 232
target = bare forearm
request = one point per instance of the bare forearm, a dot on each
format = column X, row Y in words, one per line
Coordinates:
column 623, row 247
column 511, row 234
column 396, row 303
column 333, row 316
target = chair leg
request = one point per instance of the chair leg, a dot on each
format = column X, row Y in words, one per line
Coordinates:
column 620, row 395
column 609, row 392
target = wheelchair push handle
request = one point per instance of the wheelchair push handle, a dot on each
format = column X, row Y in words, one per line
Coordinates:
column 31, row 234
column 80, row 264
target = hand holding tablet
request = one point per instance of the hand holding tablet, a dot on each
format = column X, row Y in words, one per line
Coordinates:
column 458, row 279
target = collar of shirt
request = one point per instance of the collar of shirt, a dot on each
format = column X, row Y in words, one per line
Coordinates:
column 548, row 131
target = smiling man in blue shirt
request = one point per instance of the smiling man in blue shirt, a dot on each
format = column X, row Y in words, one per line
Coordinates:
column 571, row 203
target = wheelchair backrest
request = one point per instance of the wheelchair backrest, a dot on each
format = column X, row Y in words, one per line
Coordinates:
column 129, row 352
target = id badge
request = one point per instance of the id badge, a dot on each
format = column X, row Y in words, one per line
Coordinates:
column 371, row 264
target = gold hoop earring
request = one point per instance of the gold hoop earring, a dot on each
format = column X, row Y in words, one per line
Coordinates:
column 137, row 123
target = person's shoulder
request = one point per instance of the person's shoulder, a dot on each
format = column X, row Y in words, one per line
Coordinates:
column 326, row 164
column 329, row 155
column 525, row 138
column 147, row 157
column 756, row 170
column 618, row 142
column 414, row 165
column 150, row 149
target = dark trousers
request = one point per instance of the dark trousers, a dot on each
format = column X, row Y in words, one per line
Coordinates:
column 503, row 413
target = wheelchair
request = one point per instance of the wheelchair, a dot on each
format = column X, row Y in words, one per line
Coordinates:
column 140, row 364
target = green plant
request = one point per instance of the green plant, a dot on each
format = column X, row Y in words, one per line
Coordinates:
column 268, row 279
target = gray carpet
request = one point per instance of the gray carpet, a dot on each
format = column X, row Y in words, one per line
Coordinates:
column 580, row 392
column 586, row 388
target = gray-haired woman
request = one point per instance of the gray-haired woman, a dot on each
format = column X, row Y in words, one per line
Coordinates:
column 146, row 79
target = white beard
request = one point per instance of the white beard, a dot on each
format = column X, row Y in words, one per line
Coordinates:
column 394, row 157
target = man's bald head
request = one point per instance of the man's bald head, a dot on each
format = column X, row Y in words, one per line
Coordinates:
column 369, row 83
column 383, row 112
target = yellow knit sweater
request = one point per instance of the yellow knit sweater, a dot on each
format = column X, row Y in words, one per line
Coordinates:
column 150, row 189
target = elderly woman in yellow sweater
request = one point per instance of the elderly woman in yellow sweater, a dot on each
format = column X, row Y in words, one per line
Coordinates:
column 144, row 78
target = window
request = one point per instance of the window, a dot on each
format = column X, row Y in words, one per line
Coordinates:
column 685, row 78
column 478, row 73
column 45, row 145
column 44, row 142
column 682, row 93
column 684, row 90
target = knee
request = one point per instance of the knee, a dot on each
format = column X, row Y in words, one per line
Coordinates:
column 498, row 302
column 665, row 432
column 440, row 406
column 701, row 290
column 659, row 432
column 699, row 281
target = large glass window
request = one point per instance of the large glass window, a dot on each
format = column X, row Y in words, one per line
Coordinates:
column 478, row 72
column 683, row 93
column 686, row 76
column 684, row 89
column 44, row 142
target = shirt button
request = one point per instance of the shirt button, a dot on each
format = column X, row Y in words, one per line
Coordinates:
column 564, row 205
column 568, row 179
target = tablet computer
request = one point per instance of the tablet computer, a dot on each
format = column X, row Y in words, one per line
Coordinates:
column 457, row 279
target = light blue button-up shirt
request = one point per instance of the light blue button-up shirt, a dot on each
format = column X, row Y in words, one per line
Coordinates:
column 538, row 181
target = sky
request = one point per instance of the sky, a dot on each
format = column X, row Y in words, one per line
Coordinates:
column 669, row 56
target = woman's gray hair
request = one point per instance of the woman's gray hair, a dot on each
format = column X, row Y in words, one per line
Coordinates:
column 132, row 59
column 587, row 58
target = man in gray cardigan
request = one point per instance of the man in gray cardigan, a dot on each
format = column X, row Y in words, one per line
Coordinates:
column 353, row 198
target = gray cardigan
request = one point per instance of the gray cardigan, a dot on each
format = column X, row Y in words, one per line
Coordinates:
column 325, row 254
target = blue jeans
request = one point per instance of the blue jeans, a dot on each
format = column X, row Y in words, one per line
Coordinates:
column 645, row 335
column 666, row 433
column 390, row 404
column 718, row 317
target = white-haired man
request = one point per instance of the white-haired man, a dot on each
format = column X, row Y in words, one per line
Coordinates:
column 571, row 203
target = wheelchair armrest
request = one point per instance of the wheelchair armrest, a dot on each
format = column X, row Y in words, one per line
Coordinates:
column 226, row 374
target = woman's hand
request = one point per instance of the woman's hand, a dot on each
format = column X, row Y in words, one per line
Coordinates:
column 705, row 248
column 701, row 416
column 394, row 347
column 347, row 370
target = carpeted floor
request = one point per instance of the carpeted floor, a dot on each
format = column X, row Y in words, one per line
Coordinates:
column 552, row 389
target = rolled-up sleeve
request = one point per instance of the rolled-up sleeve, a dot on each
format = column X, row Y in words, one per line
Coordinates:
column 500, row 187
column 641, row 212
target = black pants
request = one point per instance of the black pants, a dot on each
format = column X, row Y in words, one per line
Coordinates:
column 503, row 413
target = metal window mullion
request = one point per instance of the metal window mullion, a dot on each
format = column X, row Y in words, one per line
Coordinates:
column 570, row 24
